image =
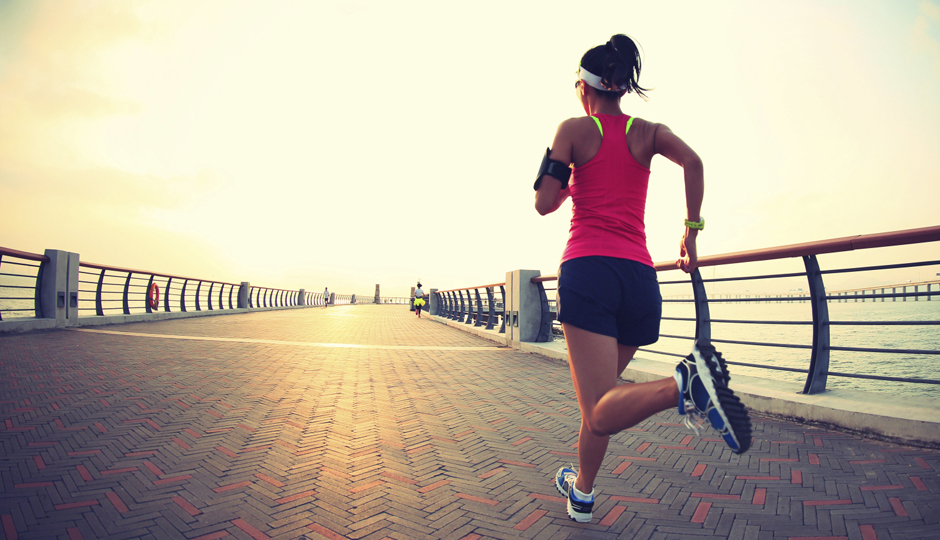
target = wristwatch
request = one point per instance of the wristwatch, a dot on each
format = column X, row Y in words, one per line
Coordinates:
column 695, row 224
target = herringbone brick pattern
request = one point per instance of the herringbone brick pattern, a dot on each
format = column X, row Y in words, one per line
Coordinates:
column 268, row 425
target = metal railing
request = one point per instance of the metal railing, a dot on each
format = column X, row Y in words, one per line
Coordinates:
column 111, row 290
column 818, row 369
column 313, row 299
column 105, row 290
column 20, row 276
column 344, row 299
column 468, row 306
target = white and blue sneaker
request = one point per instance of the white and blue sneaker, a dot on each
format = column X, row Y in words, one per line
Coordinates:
column 704, row 396
column 580, row 506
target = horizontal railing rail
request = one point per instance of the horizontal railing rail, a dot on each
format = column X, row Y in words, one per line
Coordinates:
column 818, row 371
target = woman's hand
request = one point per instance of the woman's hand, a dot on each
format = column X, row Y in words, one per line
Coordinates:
column 688, row 253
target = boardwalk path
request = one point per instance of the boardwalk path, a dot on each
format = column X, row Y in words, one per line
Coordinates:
column 269, row 425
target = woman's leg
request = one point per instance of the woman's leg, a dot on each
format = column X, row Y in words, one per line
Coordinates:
column 596, row 361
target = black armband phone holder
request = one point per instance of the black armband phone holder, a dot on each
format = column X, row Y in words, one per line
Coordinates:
column 555, row 169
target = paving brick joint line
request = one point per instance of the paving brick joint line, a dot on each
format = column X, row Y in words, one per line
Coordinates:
column 366, row 422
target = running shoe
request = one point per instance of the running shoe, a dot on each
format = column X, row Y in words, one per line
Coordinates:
column 705, row 397
column 578, row 510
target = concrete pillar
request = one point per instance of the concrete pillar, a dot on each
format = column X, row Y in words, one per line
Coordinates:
column 58, row 294
column 523, row 306
column 353, row 299
column 378, row 297
column 301, row 297
column 332, row 299
column 411, row 300
column 433, row 306
column 243, row 291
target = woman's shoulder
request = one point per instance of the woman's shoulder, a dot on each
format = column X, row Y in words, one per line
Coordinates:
column 578, row 123
column 642, row 123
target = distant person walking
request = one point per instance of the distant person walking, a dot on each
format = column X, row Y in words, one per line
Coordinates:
column 419, row 299
column 326, row 297
column 609, row 302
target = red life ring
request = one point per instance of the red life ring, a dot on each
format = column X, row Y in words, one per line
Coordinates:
column 153, row 296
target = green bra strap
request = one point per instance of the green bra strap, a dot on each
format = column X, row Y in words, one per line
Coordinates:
column 598, row 122
column 629, row 123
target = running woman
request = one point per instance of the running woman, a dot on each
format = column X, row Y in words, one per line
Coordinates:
column 609, row 302
column 419, row 299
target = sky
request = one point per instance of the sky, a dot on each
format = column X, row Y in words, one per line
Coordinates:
column 303, row 144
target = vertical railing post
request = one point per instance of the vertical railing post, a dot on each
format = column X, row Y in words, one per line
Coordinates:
column 166, row 295
column 198, row 289
column 819, row 362
column 470, row 308
column 244, row 295
column 491, row 311
column 502, row 317
column 524, row 306
column 37, row 290
column 147, row 308
column 183, row 296
column 59, row 284
column 99, row 305
column 434, row 301
column 127, row 288
column 479, row 319
column 703, row 328
column 545, row 328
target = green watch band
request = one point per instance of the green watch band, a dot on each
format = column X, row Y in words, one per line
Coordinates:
column 695, row 224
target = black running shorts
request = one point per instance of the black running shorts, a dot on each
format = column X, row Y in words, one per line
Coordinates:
column 610, row 296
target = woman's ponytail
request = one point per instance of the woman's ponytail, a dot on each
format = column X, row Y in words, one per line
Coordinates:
column 618, row 64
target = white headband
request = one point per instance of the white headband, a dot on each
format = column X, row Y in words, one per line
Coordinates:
column 595, row 81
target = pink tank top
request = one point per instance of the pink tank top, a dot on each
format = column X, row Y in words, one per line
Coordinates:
column 609, row 199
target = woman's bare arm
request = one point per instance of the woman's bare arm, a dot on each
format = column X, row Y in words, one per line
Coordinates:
column 676, row 150
column 550, row 196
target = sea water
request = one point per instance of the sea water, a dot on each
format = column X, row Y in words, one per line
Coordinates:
column 920, row 337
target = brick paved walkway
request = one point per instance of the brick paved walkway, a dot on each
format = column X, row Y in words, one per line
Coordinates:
column 265, row 425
